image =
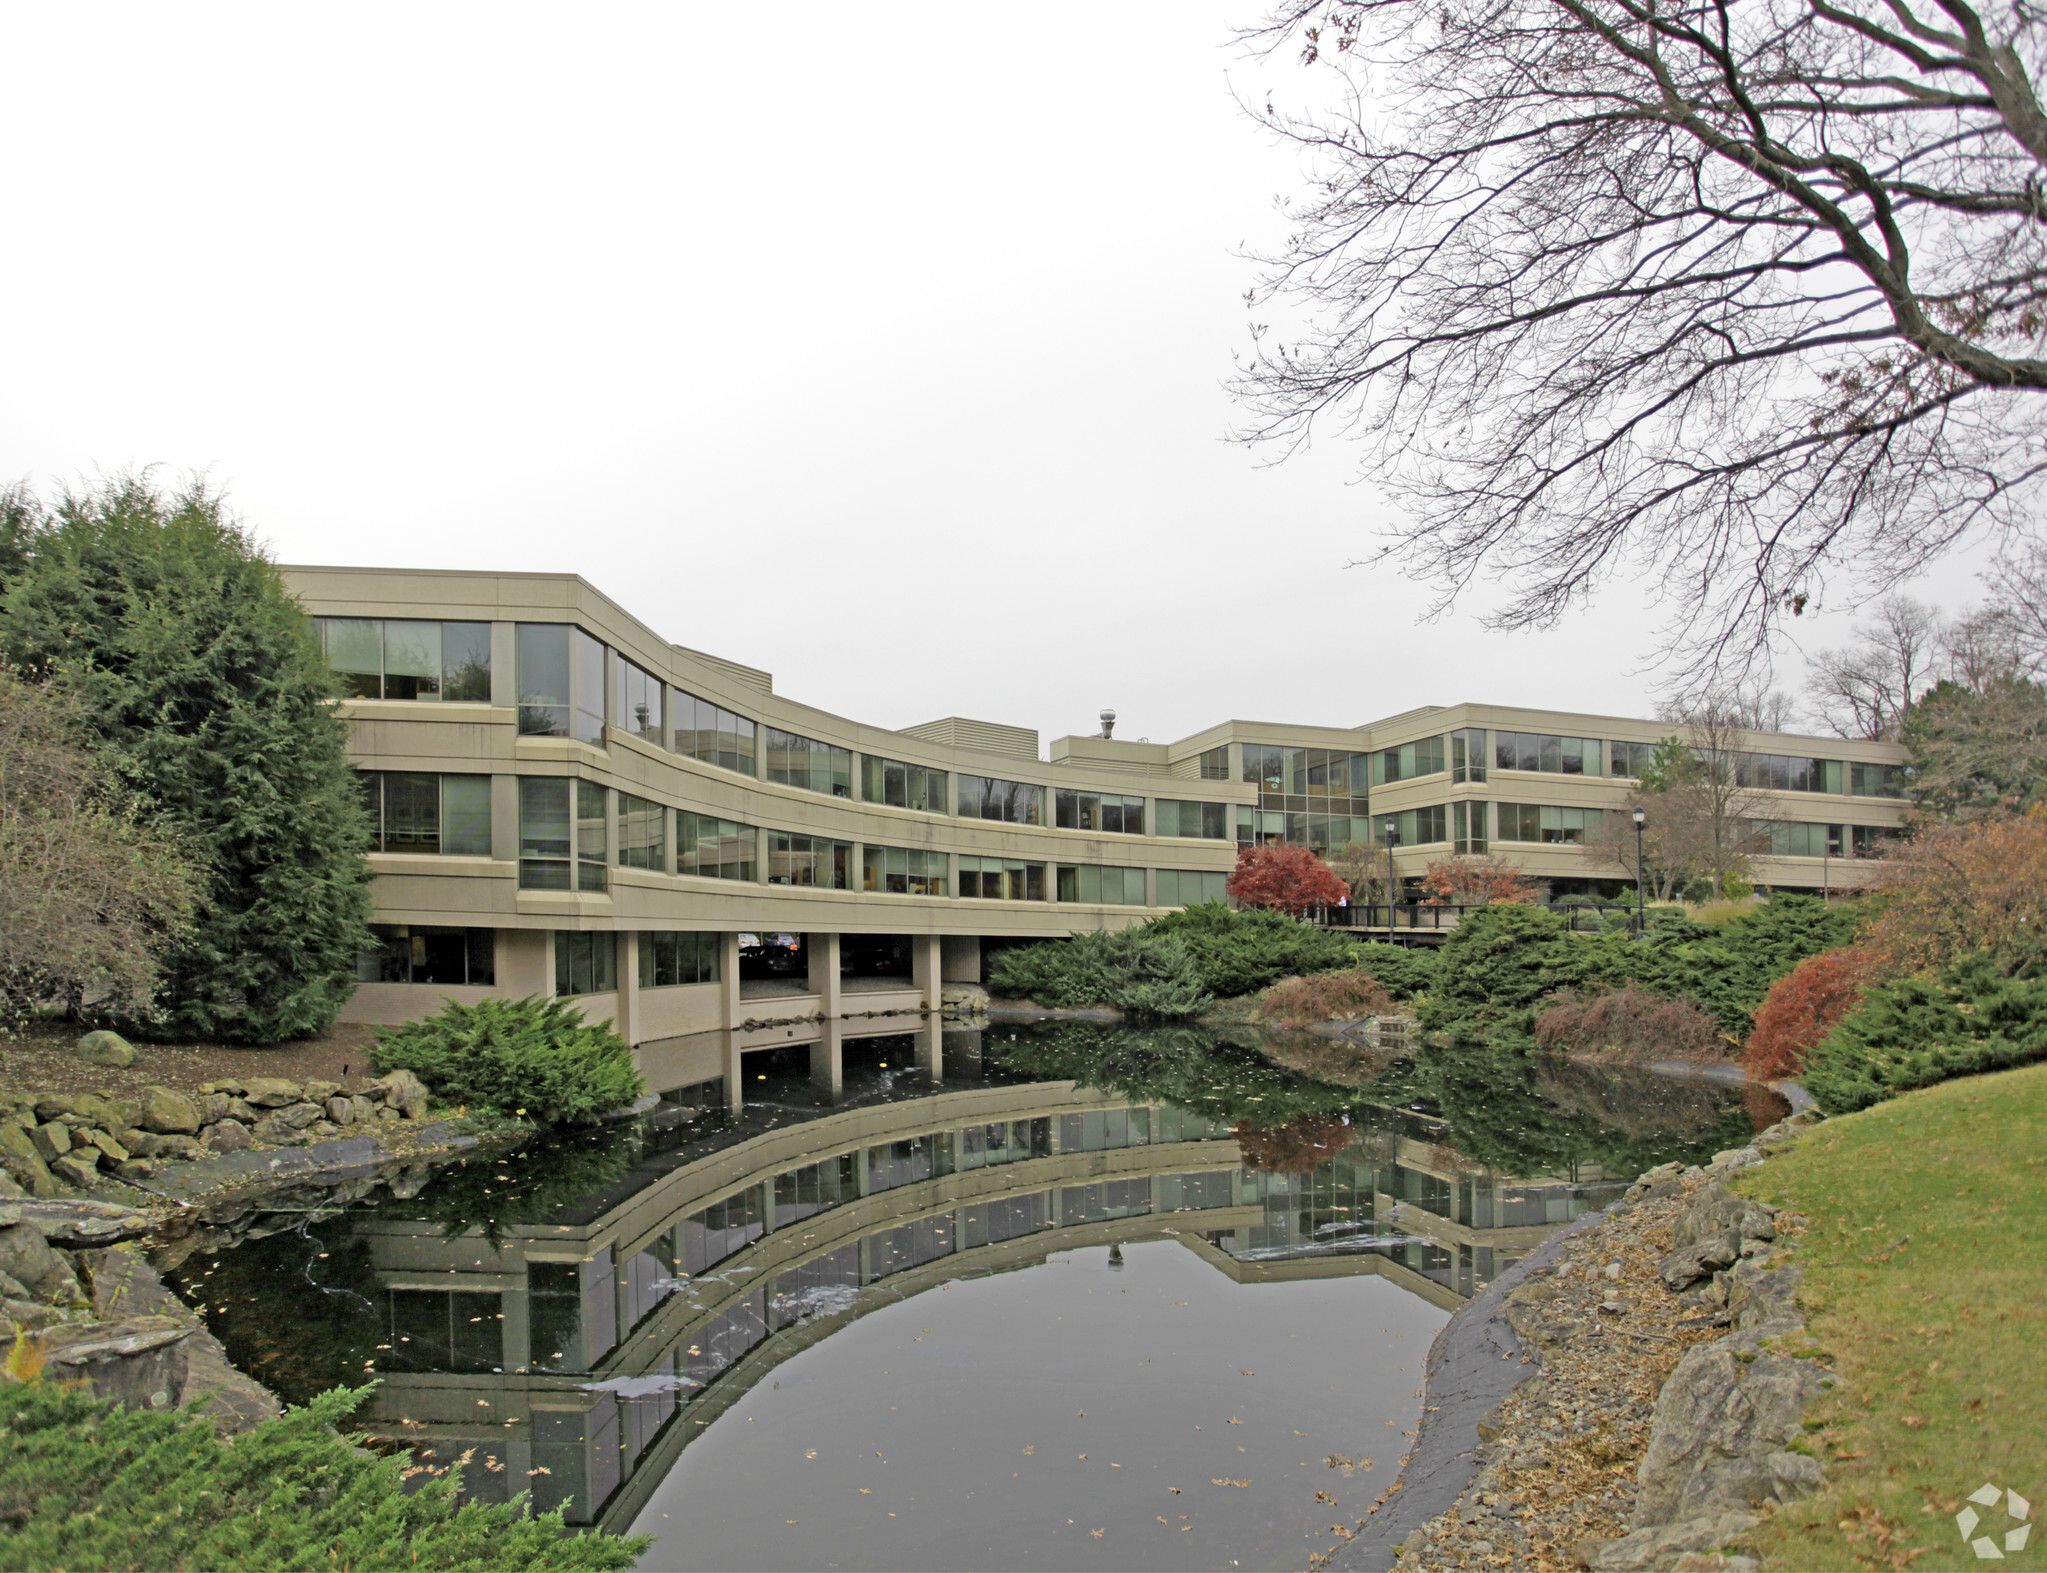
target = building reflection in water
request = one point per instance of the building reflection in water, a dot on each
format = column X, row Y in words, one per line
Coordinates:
column 578, row 1356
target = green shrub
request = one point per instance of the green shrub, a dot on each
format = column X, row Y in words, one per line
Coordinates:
column 1499, row 962
column 534, row 1058
column 1239, row 953
column 88, row 1487
column 1729, row 967
column 1135, row 970
column 1969, row 1018
column 1400, row 970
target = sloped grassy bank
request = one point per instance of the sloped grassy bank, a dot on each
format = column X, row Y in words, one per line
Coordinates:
column 1925, row 1274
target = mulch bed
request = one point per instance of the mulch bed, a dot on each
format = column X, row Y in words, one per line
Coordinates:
column 41, row 1061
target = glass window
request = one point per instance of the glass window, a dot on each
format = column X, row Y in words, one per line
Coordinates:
column 642, row 834
column 1423, row 757
column 902, row 871
column 589, row 689
column 1468, row 755
column 804, row 762
column 1215, row 764
column 544, row 679
column 1265, row 766
column 465, row 816
column 809, row 860
column 672, row 960
column 1788, row 838
column 1877, row 780
column 548, row 837
column 1013, row 802
column 1188, row 888
column 1544, row 822
column 378, row 658
column 1631, row 759
column 712, row 734
column 544, row 833
column 1869, row 841
column 636, row 700
column 815, row 1188
column 415, row 953
column 1002, row 879
column 1413, row 827
column 899, row 785
column 1182, row 817
column 590, row 871
column 1569, row 756
column 585, row 963
column 714, row 848
column 1123, row 816
column 1468, row 827
column 1116, row 887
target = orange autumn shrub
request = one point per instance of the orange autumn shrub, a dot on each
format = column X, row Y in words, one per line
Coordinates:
column 1295, row 1147
column 1327, row 996
column 1802, row 1008
column 1631, row 1025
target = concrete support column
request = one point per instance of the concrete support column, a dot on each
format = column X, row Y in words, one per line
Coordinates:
column 504, row 663
column 729, row 1017
column 827, row 1063
column 627, row 1021
column 962, row 953
column 821, row 953
column 931, row 1050
column 504, row 817
column 927, row 970
column 514, row 1331
column 735, row 1089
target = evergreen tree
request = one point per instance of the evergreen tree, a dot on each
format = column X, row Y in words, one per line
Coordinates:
column 1978, row 751
column 200, row 675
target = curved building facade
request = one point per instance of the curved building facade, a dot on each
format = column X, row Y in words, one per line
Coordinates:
column 567, row 803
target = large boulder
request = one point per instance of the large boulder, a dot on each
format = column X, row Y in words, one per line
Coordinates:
column 138, row 1363
column 299, row 1115
column 229, row 1136
column 404, row 1092
column 105, row 1048
column 1719, row 1442
column 52, row 1140
column 20, row 1158
column 29, row 1259
column 77, row 1224
column 168, row 1113
column 74, row 1169
column 270, row 1092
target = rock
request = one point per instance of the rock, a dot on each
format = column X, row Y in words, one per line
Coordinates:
column 1613, row 1270
column 404, row 1092
column 321, row 1091
column 73, row 1170
column 30, row 1260
column 1723, row 1414
column 52, row 1141
column 243, row 1110
column 299, row 1115
column 75, row 1223
column 389, row 1114
column 229, row 1136
column 105, row 1048
column 269, row 1092
column 963, row 1001
column 112, row 1115
column 341, row 1110
column 139, row 1363
column 409, row 1181
column 1658, row 1548
column 110, row 1149
column 26, row 1316
column 168, row 1113
column 134, row 1169
column 232, row 1089
column 142, row 1144
column 10, row 1188
column 213, row 1107
column 324, row 1129
column 183, row 1147
column 55, row 1107
column 273, row 1130
column 364, row 1109
column 20, row 1157
column 1585, row 1550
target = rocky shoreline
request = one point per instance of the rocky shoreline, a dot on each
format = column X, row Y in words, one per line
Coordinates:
column 1654, row 1394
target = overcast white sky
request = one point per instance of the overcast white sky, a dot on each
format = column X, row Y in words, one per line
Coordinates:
column 879, row 347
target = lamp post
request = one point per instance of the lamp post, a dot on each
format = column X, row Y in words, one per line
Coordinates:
column 1641, row 910
column 1392, row 827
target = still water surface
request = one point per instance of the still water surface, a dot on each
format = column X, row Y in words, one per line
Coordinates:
column 1090, row 1298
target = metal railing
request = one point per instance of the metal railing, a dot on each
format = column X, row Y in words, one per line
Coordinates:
column 1409, row 915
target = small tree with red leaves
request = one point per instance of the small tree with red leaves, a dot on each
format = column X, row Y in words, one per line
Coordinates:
column 1478, row 882
column 1297, row 1147
column 1802, row 1007
column 1285, row 878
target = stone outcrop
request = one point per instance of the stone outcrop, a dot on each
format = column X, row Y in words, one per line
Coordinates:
column 61, row 1143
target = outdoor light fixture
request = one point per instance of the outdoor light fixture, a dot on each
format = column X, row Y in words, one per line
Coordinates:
column 1641, row 913
column 1392, row 835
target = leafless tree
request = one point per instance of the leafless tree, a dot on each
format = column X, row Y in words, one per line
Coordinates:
column 1743, row 299
column 2018, row 601
column 1865, row 688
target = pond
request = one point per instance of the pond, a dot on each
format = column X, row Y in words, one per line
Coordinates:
column 1068, row 1296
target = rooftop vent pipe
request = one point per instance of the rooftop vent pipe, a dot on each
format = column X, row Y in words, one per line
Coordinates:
column 1108, row 723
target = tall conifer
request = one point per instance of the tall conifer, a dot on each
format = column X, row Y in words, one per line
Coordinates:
column 200, row 674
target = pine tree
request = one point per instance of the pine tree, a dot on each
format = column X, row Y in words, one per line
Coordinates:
column 199, row 673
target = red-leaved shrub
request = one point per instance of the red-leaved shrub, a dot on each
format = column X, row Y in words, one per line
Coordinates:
column 1327, row 996
column 1295, row 1147
column 1802, row 1008
column 1629, row 1024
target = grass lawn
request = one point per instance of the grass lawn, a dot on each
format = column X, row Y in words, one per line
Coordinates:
column 1926, row 1284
